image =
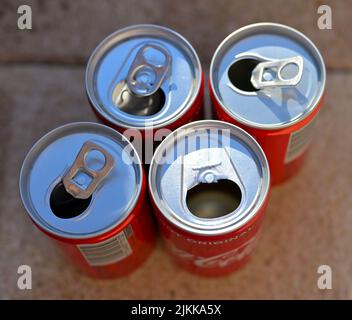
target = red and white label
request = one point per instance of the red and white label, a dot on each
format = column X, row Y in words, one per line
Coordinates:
column 108, row 251
column 299, row 142
column 221, row 260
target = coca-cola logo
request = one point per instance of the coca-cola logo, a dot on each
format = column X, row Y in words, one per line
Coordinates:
column 221, row 260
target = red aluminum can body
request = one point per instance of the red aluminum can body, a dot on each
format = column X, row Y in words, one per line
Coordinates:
column 141, row 241
column 206, row 244
column 211, row 256
column 247, row 88
column 275, row 143
column 101, row 217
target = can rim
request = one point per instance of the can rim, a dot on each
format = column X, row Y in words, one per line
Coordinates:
column 115, row 121
column 31, row 153
column 251, row 212
column 314, row 103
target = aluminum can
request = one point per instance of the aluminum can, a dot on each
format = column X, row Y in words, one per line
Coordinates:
column 209, row 182
column 145, row 78
column 269, row 79
column 83, row 186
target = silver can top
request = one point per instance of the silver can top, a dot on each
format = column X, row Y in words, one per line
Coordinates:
column 209, row 177
column 80, row 180
column 142, row 76
column 267, row 75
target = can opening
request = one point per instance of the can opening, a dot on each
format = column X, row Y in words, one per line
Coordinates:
column 214, row 200
column 139, row 105
column 64, row 205
column 240, row 74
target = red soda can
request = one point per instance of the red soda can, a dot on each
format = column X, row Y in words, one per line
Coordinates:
column 209, row 182
column 145, row 77
column 269, row 79
column 83, row 186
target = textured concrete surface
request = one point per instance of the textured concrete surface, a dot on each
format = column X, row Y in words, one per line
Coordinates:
column 309, row 218
column 67, row 31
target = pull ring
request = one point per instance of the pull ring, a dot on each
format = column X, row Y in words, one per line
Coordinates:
column 79, row 166
column 269, row 74
column 148, row 70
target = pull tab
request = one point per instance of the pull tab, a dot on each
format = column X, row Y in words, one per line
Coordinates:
column 269, row 74
column 148, row 70
column 80, row 167
column 207, row 173
column 208, row 166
